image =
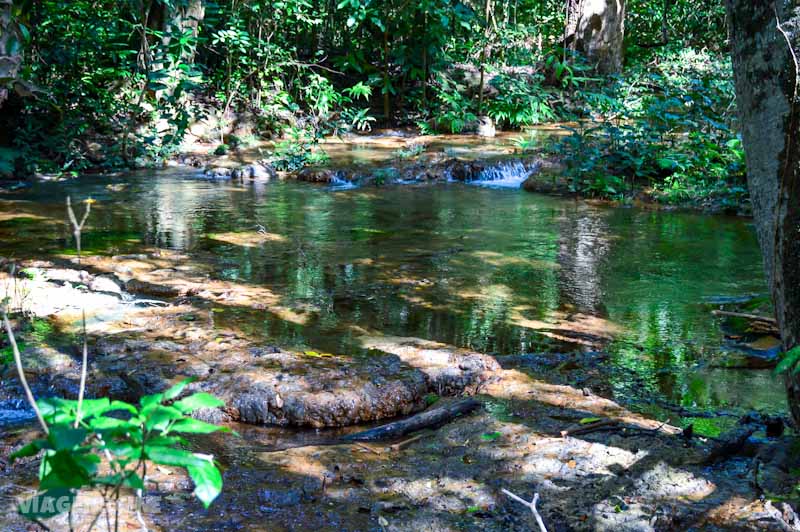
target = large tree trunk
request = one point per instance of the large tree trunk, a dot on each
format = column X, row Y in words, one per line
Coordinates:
column 10, row 50
column 177, row 19
column 764, row 35
column 596, row 29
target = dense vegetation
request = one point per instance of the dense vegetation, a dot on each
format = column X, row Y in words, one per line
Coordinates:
column 109, row 84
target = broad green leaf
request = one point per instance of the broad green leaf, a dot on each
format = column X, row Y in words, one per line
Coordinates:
column 32, row 449
column 176, row 390
column 490, row 436
column 121, row 405
column 195, row 426
column 159, row 417
column 65, row 437
column 172, row 457
column 93, row 407
column 150, row 400
column 103, row 423
column 207, row 481
column 122, row 448
column 789, row 360
column 198, row 400
column 162, row 439
column 62, row 471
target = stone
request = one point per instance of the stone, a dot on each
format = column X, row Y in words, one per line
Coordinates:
column 218, row 172
column 316, row 175
column 486, row 127
column 104, row 284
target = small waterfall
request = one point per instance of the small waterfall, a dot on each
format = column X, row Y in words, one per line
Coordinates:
column 510, row 174
column 338, row 182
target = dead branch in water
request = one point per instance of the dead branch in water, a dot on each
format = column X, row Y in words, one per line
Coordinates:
column 751, row 317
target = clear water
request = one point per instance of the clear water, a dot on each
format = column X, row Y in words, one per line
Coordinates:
column 484, row 268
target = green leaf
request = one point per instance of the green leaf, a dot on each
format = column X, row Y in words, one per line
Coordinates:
column 93, row 407
column 61, row 470
column 122, row 448
column 150, row 400
column 587, row 420
column 64, row 437
column 172, row 457
column 103, row 423
column 194, row 426
column 159, row 417
column 176, row 390
column 789, row 360
column 165, row 441
column 198, row 400
column 207, row 481
column 32, row 449
column 121, row 405
column 490, row 436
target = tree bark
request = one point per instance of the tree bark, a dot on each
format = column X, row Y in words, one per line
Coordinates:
column 487, row 6
column 765, row 35
column 596, row 28
column 10, row 50
column 177, row 19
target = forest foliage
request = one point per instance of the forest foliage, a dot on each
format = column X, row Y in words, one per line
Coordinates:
column 111, row 84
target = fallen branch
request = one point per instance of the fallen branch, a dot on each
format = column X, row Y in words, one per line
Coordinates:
column 368, row 448
column 531, row 505
column 751, row 317
column 423, row 420
column 399, row 446
column 586, row 429
column 730, row 443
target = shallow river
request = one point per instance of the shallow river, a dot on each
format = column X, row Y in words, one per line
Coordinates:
column 488, row 269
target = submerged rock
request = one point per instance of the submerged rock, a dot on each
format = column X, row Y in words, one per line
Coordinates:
column 316, row 175
column 459, row 170
column 218, row 172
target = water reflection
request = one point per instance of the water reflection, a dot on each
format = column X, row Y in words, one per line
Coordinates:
column 584, row 243
column 498, row 271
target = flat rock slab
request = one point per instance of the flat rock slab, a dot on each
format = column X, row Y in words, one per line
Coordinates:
column 265, row 385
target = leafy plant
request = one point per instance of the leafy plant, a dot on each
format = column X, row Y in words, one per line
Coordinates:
column 789, row 362
column 521, row 101
column 123, row 437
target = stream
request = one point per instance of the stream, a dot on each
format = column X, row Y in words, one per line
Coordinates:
column 538, row 282
column 480, row 267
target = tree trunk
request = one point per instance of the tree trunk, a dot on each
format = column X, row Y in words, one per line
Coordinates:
column 10, row 50
column 596, row 29
column 387, row 109
column 487, row 6
column 184, row 17
column 764, row 38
